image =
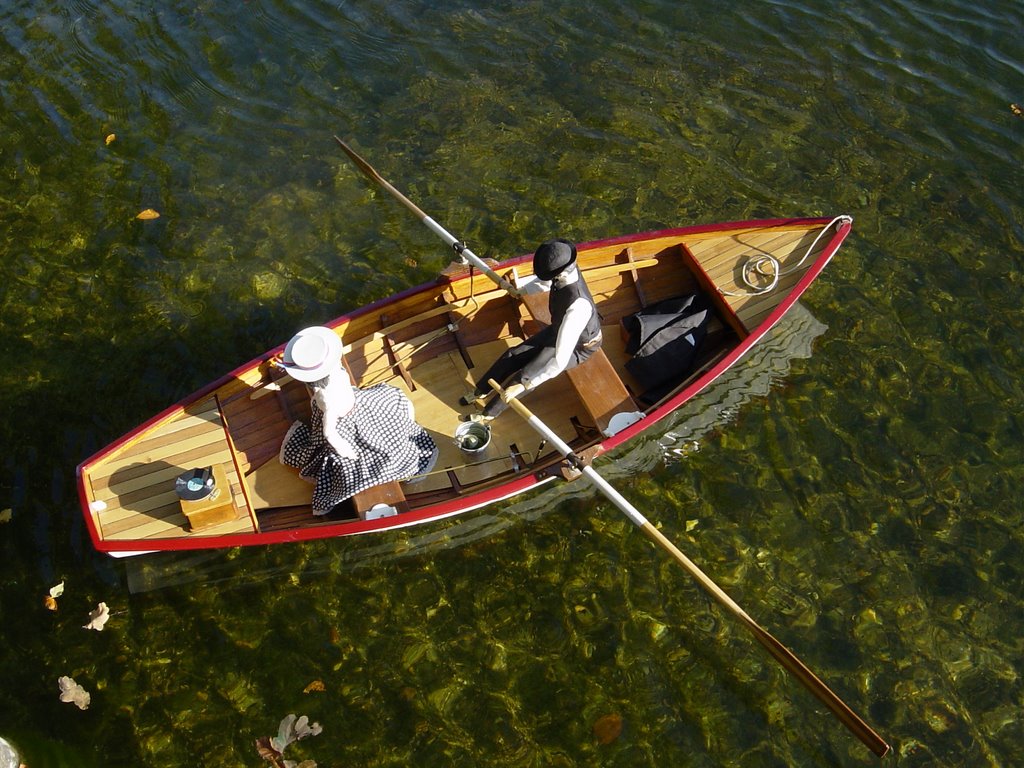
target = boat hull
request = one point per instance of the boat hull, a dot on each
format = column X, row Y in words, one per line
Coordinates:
column 432, row 341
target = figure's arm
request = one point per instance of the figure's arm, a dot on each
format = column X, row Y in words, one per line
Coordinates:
column 332, row 413
column 573, row 325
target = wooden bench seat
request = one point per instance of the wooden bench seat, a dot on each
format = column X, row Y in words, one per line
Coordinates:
column 600, row 389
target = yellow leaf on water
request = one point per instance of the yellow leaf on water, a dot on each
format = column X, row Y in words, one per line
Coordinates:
column 316, row 685
column 50, row 602
column 6, row 515
column 148, row 214
column 110, row 138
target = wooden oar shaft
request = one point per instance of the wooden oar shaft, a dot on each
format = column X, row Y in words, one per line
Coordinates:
column 453, row 242
column 779, row 652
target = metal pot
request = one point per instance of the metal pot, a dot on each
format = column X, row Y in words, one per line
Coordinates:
column 472, row 437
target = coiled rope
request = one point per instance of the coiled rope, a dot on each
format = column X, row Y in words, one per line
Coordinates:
column 764, row 266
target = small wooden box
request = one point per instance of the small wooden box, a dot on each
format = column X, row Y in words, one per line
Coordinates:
column 380, row 501
column 219, row 507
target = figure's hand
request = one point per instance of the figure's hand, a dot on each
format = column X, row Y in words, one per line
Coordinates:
column 341, row 446
column 513, row 391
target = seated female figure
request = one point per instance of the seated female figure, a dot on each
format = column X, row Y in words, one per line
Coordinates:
column 356, row 438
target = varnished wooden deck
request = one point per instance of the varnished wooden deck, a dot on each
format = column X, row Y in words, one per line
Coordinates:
column 723, row 257
column 136, row 489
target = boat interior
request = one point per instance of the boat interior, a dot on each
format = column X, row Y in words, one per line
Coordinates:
column 432, row 344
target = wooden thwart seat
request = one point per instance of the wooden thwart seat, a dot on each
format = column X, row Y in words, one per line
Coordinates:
column 600, row 389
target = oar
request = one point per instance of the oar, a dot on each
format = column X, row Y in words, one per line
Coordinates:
column 781, row 653
column 459, row 247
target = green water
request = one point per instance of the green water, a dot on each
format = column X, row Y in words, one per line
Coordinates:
column 857, row 491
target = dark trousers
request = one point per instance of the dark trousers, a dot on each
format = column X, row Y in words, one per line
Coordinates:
column 524, row 361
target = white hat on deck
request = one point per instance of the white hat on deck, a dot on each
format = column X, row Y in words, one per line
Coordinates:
column 312, row 353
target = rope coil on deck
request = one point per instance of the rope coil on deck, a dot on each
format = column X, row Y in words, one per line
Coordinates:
column 764, row 265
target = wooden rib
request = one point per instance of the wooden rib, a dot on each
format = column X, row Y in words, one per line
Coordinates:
column 394, row 359
column 389, row 330
column 459, row 342
column 279, row 377
column 636, row 278
column 235, row 470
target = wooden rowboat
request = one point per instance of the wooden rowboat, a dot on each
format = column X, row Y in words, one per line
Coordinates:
column 432, row 342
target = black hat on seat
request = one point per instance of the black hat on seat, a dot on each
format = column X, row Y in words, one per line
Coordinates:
column 552, row 257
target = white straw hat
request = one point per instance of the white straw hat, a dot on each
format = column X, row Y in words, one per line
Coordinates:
column 312, row 353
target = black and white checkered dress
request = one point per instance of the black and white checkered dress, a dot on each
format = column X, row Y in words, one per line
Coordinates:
column 388, row 444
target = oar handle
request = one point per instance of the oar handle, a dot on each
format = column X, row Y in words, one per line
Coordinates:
column 779, row 652
column 459, row 247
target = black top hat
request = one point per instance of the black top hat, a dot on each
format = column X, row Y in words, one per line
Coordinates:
column 552, row 257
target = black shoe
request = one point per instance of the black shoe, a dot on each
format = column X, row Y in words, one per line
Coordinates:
column 477, row 401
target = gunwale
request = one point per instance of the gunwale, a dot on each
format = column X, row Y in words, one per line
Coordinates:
column 702, row 250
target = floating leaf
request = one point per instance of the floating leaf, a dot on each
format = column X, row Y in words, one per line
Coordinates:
column 98, row 618
column 57, row 590
column 607, row 728
column 266, row 751
column 110, row 139
column 691, row 524
column 6, row 515
column 50, row 603
column 70, row 691
column 148, row 214
column 291, row 729
column 1016, row 109
column 316, row 685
